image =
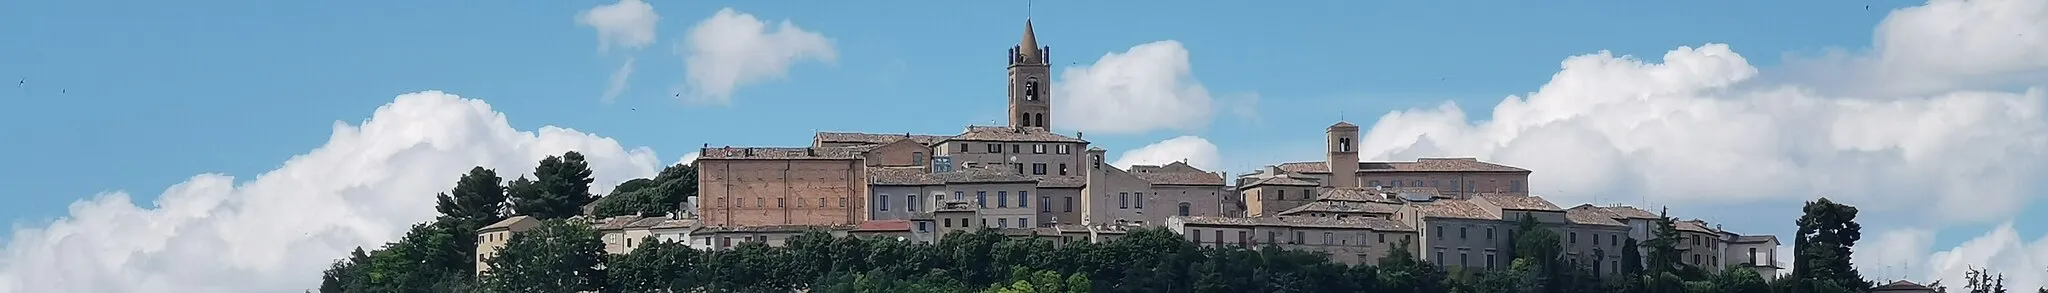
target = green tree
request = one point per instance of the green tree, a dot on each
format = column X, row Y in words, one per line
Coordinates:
column 1043, row 281
column 1736, row 279
column 1520, row 277
column 477, row 199
column 559, row 256
column 560, row 188
column 1538, row 244
column 1631, row 257
column 346, row 275
column 1665, row 257
column 658, row 266
column 1821, row 249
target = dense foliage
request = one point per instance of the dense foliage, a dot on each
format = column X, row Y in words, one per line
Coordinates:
column 564, row 254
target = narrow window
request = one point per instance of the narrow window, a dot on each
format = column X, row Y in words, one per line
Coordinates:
column 884, row 203
column 1044, row 203
column 1023, row 199
column 1002, row 199
column 1141, row 199
column 981, row 199
column 1070, row 204
column 1123, row 200
column 1063, row 169
column 910, row 203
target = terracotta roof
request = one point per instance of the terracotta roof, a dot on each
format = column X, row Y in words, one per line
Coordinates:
column 874, row 138
column 1456, row 209
column 777, row 153
column 1011, row 134
column 1181, row 178
column 1351, row 194
column 774, row 228
column 1901, row 286
column 901, row 176
column 679, row 223
column 1281, row 181
column 982, row 175
column 1342, row 124
column 1369, row 223
column 955, row 206
column 615, row 223
column 1518, row 202
column 1631, row 213
column 1419, row 165
column 1333, row 206
column 1586, row 214
column 644, row 223
column 883, row 226
column 1062, row 182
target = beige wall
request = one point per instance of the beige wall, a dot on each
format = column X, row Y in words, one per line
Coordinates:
column 1165, row 201
column 1027, row 154
column 1465, row 243
column 1005, row 202
column 1111, row 196
column 1346, row 245
column 1595, row 247
column 1065, row 207
column 1265, row 200
column 1700, row 248
column 951, row 221
column 1443, row 181
column 781, row 192
column 901, row 203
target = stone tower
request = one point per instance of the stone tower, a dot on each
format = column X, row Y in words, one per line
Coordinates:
column 1030, row 82
column 1342, row 143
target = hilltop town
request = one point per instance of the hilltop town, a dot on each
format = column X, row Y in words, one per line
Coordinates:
column 1025, row 180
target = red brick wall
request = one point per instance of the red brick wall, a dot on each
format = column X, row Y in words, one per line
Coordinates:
column 781, row 192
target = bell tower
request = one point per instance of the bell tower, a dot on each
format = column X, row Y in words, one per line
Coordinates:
column 1030, row 89
column 1342, row 140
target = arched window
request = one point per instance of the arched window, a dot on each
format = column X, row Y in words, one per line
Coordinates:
column 1183, row 209
column 1041, row 120
column 1031, row 89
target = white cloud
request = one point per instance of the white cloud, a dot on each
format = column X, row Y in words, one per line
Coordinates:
column 688, row 158
column 2000, row 250
column 618, row 81
column 628, row 24
column 277, row 232
column 1196, row 151
column 1151, row 86
column 1689, row 130
column 733, row 49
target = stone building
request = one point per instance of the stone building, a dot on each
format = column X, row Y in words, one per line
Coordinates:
column 1020, row 175
column 494, row 236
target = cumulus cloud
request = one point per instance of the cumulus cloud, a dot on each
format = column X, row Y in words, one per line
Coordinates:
column 1196, row 151
column 689, row 158
column 2000, row 250
column 1151, row 86
column 628, row 24
column 733, row 49
column 275, row 233
column 1687, row 131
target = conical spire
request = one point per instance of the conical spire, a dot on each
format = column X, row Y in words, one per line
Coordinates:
column 1028, row 47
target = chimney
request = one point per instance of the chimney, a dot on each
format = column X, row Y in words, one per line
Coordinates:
column 749, row 151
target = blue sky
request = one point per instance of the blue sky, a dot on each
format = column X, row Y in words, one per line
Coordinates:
column 137, row 96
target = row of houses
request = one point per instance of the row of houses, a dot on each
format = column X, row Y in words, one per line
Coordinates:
column 1028, row 181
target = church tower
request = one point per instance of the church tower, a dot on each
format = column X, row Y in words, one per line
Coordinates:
column 1030, row 82
column 1343, row 159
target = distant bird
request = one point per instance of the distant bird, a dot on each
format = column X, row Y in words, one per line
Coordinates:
column 634, row 109
column 23, row 81
column 1866, row 7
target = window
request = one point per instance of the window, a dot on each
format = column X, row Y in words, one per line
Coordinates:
column 959, row 195
column 1596, row 265
column 1282, row 195
column 1383, row 238
column 949, row 222
column 963, row 148
column 1611, row 241
column 1344, row 144
column 1327, row 237
column 1015, row 149
column 1471, row 186
column 1219, row 236
column 1439, row 258
column 1023, row 199
column 1031, row 89
column 1196, row 234
column 1373, row 184
column 1464, row 260
column 1439, row 232
column 1489, row 261
column 883, row 203
column 1489, row 233
column 1575, row 237
column 1397, row 183
column 1418, row 183
column 1023, row 223
column 1461, row 232
column 1307, row 195
column 1044, row 203
column 921, row 227
column 1300, row 237
column 1241, row 238
column 1140, row 202
column 1041, row 121
column 1515, row 186
column 1070, row 204
column 842, row 201
column 1183, row 209
column 910, row 203
column 1695, row 259
column 995, row 148
column 1017, row 167
column 981, row 199
column 1596, row 239
column 1123, row 200
column 760, row 202
column 1060, row 148
column 1038, row 148
column 1000, row 223
column 917, row 158
column 1752, row 256
column 1272, row 237
column 1037, row 168
column 1063, row 169
column 1002, row 199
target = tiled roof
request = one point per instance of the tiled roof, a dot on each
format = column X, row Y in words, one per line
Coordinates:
column 883, row 226
column 643, row 223
column 901, row 176
column 1351, row 194
column 1586, row 214
column 982, row 175
column 1518, row 202
column 615, row 223
column 1182, row 178
column 1419, row 165
column 955, row 206
column 777, row 153
column 874, row 138
column 672, row 224
column 1011, row 134
column 1754, row 239
column 507, row 222
column 1282, row 181
column 1376, row 224
column 1333, row 206
column 1456, row 209
column 1693, row 226
column 1631, row 213
column 1062, row 182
